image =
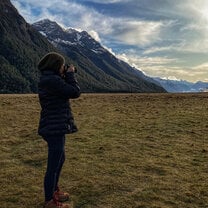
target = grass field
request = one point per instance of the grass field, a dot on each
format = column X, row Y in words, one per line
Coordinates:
column 131, row 151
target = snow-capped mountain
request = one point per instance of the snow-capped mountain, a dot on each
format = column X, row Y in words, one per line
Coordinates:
column 182, row 85
column 58, row 35
column 94, row 62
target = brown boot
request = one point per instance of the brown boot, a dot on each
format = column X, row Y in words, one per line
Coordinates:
column 55, row 204
column 61, row 196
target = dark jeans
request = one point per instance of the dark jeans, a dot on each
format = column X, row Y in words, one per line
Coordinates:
column 56, row 158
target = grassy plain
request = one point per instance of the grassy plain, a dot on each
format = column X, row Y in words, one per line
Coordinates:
column 131, row 151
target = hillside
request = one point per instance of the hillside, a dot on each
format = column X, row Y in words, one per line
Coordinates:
column 20, row 49
column 131, row 151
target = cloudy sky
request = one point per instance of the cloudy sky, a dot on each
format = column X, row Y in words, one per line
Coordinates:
column 165, row 38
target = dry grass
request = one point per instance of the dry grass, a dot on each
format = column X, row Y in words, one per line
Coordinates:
column 131, row 151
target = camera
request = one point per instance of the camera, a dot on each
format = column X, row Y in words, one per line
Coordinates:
column 66, row 66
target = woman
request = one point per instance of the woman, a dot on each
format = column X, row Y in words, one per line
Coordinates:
column 57, row 85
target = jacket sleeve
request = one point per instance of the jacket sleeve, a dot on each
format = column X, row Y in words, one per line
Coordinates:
column 67, row 88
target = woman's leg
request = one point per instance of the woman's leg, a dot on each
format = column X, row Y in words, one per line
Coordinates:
column 59, row 170
column 54, row 165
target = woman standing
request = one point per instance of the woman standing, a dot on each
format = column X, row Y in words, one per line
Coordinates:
column 57, row 85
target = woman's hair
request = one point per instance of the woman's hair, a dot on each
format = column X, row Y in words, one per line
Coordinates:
column 52, row 62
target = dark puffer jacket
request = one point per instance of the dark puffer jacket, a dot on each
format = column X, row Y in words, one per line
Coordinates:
column 54, row 94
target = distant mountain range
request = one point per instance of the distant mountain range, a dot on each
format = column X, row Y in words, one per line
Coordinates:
column 182, row 85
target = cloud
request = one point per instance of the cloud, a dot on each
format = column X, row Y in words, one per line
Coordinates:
column 202, row 67
column 153, row 66
column 194, row 46
column 95, row 35
column 145, row 61
column 61, row 11
column 179, row 73
column 165, row 67
column 137, row 32
column 171, row 78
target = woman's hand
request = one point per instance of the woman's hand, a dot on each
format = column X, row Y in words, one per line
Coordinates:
column 71, row 68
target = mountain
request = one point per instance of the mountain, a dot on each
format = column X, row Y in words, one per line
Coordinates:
column 104, row 72
column 182, row 85
column 21, row 46
column 200, row 86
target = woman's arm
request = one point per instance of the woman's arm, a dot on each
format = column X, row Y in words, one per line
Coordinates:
column 67, row 88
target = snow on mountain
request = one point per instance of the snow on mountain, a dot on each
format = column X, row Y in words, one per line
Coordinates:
column 69, row 36
column 42, row 33
column 78, row 37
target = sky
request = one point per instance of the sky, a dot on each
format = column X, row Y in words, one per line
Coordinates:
column 162, row 38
